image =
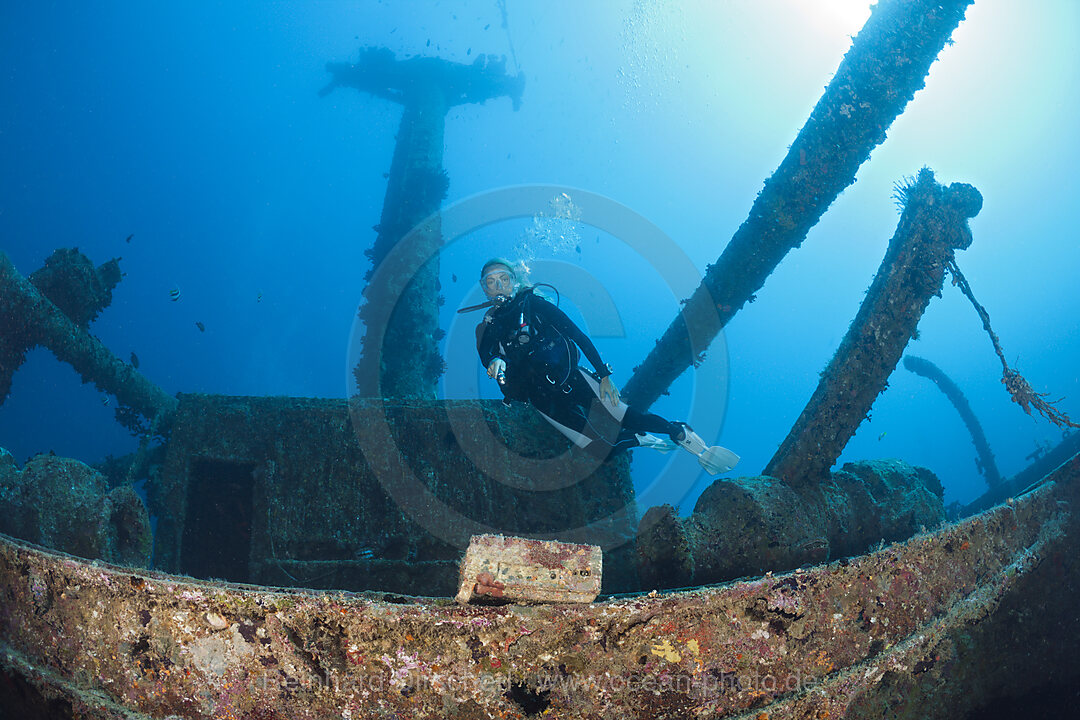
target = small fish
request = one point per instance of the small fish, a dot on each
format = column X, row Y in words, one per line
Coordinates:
column 202, row 328
column 578, row 249
column 128, row 238
column 453, row 277
column 174, row 294
column 469, row 51
column 487, row 26
column 105, row 401
column 882, row 436
column 259, row 297
column 134, row 360
column 429, row 42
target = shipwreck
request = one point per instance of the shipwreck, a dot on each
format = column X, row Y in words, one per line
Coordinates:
column 305, row 554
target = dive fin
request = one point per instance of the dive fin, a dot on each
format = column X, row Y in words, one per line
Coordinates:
column 714, row 459
column 718, row 460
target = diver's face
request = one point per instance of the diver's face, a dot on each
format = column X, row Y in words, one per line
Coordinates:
column 498, row 280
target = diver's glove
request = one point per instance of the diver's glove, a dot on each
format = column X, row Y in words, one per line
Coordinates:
column 608, row 391
column 497, row 370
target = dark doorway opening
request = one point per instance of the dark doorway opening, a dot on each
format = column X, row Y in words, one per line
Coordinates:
column 217, row 529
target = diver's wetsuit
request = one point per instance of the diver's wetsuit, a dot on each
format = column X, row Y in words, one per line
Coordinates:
column 539, row 344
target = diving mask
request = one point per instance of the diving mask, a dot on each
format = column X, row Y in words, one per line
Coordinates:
column 497, row 282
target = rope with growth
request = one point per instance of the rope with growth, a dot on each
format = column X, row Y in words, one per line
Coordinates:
column 1020, row 389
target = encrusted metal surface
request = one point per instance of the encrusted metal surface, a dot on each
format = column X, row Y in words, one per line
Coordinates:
column 401, row 488
column 811, row 643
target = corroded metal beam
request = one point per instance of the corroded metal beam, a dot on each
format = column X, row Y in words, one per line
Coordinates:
column 27, row 314
column 886, row 65
column 847, row 639
column 72, row 283
column 985, row 456
column 400, row 355
column 932, row 227
column 379, row 73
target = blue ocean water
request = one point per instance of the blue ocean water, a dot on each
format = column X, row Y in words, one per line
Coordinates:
column 200, row 135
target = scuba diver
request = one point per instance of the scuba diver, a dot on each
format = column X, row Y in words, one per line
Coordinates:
column 532, row 349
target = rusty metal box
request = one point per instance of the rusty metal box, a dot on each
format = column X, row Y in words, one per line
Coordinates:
column 525, row 570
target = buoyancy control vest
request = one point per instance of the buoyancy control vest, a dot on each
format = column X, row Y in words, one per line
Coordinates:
column 537, row 353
